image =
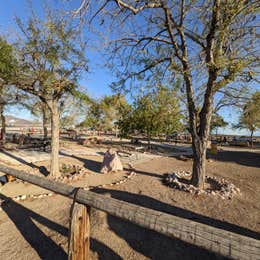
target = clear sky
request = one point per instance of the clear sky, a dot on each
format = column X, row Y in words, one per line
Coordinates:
column 97, row 81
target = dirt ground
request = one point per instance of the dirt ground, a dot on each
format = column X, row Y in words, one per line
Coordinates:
column 38, row 229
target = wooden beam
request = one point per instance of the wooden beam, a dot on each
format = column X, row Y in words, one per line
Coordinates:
column 214, row 239
column 79, row 238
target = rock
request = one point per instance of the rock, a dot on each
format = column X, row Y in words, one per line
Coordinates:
column 183, row 158
column 111, row 162
column 130, row 165
column 237, row 190
column 23, row 197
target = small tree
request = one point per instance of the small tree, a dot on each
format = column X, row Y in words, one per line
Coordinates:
column 94, row 116
column 104, row 114
column 39, row 109
column 72, row 107
column 249, row 118
column 216, row 122
column 51, row 60
column 153, row 113
column 111, row 106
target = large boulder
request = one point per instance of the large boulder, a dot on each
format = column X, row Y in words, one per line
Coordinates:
column 111, row 162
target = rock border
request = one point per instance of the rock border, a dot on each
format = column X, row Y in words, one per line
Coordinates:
column 220, row 187
column 24, row 197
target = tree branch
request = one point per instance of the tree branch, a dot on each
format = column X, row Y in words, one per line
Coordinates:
column 135, row 10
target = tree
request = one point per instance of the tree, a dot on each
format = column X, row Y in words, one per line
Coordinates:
column 216, row 122
column 209, row 44
column 94, row 118
column 39, row 109
column 51, row 60
column 250, row 119
column 7, row 64
column 72, row 107
column 104, row 114
column 153, row 113
column 111, row 106
column 126, row 121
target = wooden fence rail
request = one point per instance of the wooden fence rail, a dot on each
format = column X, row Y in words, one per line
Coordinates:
column 217, row 240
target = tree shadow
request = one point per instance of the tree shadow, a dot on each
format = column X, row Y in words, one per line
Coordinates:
column 104, row 252
column 42, row 169
column 19, row 159
column 150, row 243
column 45, row 247
column 148, row 202
column 151, row 174
column 246, row 158
column 88, row 164
column 154, row 245
column 23, row 218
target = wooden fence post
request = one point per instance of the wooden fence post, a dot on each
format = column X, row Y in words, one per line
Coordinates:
column 79, row 236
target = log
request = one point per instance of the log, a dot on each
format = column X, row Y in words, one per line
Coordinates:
column 79, row 238
column 220, row 241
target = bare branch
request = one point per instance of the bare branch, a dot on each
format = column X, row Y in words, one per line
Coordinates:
column 148, row 4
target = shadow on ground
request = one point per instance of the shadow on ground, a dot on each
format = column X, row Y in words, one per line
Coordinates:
column 91, row 165
column 44, row 246
column 42, row 169
column 23, row 218
column 251, row 159
column 246, row 158
column 156, row 246
column 150, row 243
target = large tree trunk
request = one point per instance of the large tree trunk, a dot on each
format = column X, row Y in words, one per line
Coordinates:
column 199, row 163
column 44, row 121
column 251, row 138
column 200, row 129
column 3, row 124
column 53, row 105
column 200, row 141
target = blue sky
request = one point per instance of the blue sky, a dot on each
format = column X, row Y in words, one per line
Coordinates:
column 98, row 79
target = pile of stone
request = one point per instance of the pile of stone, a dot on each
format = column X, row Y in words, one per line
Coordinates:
column 222, row 187
column 213, row 185
column 111, row 162
column 71, row 172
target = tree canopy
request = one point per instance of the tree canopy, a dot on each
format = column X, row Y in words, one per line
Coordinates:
column 153, row 113
column 7, row 61
column 250, row 116
column 217, row 121
column 51, row 58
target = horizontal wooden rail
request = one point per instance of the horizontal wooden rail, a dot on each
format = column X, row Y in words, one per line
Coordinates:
column 217, row 240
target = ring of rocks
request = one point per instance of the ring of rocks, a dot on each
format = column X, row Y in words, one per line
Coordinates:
column 214, row 186
column 80, row 172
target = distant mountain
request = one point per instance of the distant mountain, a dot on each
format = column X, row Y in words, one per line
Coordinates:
column 15, row 121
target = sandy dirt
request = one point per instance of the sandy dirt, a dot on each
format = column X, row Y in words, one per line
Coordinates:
column 38, row 228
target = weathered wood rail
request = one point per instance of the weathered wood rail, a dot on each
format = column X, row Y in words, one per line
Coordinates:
column 217, row 240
